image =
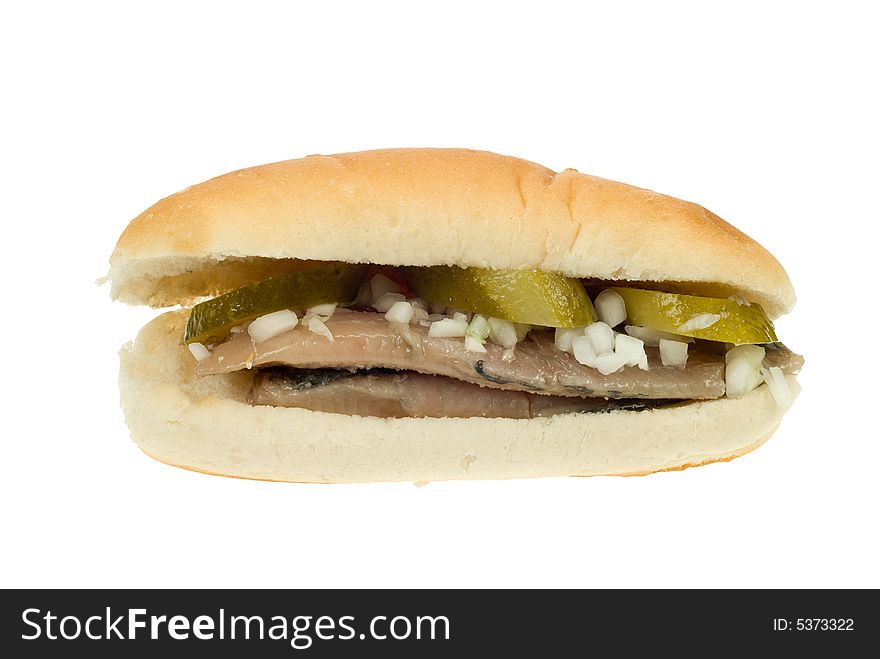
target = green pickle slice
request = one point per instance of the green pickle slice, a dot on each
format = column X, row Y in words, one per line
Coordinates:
column 520, row 296
column 684, row 314
column 316, row 283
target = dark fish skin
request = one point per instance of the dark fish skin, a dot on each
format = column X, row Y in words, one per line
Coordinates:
column 399, row 394
column 365, row 340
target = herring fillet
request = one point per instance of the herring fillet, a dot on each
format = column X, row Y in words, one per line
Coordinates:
column 399, row 394
column 365, row 340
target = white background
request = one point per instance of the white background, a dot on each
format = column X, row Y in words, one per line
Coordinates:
column 764, row 112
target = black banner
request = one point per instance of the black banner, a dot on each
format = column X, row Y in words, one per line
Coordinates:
column 313, row 623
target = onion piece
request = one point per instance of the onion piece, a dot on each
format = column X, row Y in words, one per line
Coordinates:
column 741, row 374
column 630, row 348
column 272, row 324
column 565, row 335
column 476, row 334
column 322, row 310
column 583, row 350
column 473, row 344
column 199, row 351
column 448, row 327
column 385, row 302
column 522, row 330
column 502, row 332
column 317, row 326
column 778, row 385
column 478, row 328
column 699, row 322
column 609, row 363
column 651, row 337
column 602, row 337
column 400, row 312
column 419, row 317
column 673, row 353
column 754, row 355
column 610, row 307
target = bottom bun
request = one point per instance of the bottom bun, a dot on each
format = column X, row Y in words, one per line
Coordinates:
column 205, row 424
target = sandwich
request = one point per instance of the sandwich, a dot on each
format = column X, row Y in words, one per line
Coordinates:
column 433, row 314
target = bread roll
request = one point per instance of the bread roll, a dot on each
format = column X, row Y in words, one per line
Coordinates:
column 433, row 207
column 205, row 424
column 423, row 207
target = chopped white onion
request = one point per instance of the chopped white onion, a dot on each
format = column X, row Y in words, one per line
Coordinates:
column 643, row 362
column 436, row 316
column 473, row 344
column 565, row 335
column 400, row 312
column 419, row 317
column 699, row 322
column 199, row 351
column 380, row 285
column 317, row 326
column 448, row 327
column 425, row 323
column 238, row 329
column 775, row 379
column 754, row 355
column 522, row 330
column 602, row 337
column 583, row 350
column 502, row 332
column 673, row 353
column 385, row 302
column 740, row 301
column 418, row 303
column 460, row 315
column 322, row 310
column 478, row 328
column 609, row 363
column 629, row 347
column 651, row 337
column 740, row 376
column 610, row 307
column 272, row 324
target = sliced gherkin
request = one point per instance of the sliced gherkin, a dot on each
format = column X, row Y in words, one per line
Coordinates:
column 709, row 318
column 316, row 283
column 521, row 296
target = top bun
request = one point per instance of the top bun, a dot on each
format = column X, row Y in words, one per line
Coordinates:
column 433, row 207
